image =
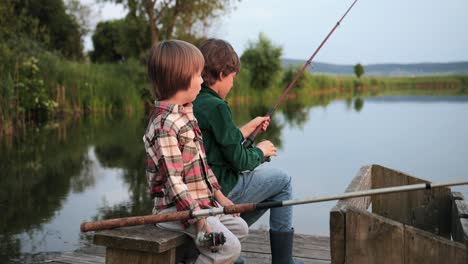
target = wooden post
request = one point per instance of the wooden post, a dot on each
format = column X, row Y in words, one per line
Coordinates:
column 460, row 220
column 337, row 215
column 337, row 235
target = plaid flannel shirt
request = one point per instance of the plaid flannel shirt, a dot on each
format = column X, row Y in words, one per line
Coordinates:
column 177, row 170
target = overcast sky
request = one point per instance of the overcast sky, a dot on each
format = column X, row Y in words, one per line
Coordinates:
column 375, row 31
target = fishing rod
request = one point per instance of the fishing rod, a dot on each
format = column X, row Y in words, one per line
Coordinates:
column 251, row 138
column 249, row 207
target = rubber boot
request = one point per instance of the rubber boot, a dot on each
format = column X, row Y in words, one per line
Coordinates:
column 239, row 260
column 281, row 247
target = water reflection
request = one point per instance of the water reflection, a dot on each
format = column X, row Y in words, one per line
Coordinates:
column 36, row 178
column 60, row 174
column 295, row 113
column 44, row 172
column 358, row 104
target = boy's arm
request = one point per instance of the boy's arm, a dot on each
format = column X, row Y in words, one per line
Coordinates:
column 250, row 127
column 166, row 153
column 223, row 200
column 228, row 135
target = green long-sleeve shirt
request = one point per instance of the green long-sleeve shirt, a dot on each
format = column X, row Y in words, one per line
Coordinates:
column 222, row 140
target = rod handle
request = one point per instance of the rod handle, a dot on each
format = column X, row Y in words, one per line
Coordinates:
column 239, row 208
column 133, row 221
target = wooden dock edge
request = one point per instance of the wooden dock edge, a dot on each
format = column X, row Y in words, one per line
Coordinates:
column 362, row 181
column 359, row 236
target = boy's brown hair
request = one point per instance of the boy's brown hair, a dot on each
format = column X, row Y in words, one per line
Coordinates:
column 220, row 57
column 171, row 66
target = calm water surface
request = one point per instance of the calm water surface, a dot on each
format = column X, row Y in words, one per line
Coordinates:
column 61, row 175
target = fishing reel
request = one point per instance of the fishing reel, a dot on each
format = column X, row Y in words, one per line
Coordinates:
column 212, row 240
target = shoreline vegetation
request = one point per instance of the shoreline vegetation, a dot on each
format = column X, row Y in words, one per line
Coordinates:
column 48, row 87
column 46, row 76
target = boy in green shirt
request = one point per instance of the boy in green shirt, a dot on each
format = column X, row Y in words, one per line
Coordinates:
column 236, row 166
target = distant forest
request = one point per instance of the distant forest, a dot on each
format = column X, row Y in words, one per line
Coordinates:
column 390, row 70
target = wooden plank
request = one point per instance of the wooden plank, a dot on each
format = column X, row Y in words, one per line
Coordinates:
column 142, row 238
column 393, row 206
column 425, row 247
column 122, row 256
column 307, row 248
column 93, row 250
column 462, row 208
column 430, row 210
column 425, row 209
column 459, row 212
column 257, row 258
column 371, row 238
column 362, row 181
column 457, row 196
column 300, row 240
column 464, row 228
column 337, row 235
column 77, row 258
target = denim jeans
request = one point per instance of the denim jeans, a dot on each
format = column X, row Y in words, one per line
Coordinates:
column 265, row 185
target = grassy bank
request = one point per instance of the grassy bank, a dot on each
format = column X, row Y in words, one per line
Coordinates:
column 344, row 86
column 46, row 86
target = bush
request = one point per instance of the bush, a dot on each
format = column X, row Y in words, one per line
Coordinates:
column 291, row 73
column 263, row 60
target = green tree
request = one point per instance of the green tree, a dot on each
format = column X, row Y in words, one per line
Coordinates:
column 119, row 40
column 105, row 40
column 358, row 70
column 263, row 59
column 185, row 19
column 62, row 31
column 81, row 13
column 291, row 73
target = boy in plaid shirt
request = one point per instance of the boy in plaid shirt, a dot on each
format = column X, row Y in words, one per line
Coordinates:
column 177, row 169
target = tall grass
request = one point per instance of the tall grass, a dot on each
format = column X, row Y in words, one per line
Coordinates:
column 46, row 86
column 60, row 87
column 95, row 88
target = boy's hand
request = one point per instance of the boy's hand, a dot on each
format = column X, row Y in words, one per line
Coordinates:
column 202, row 225
column 250, row 127
column 267, row 148
column 223, row 200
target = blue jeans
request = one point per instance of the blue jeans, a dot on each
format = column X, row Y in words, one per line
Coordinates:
column 265, row 185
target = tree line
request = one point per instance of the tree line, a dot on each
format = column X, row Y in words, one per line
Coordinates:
column 45, row 70
column 150, row 21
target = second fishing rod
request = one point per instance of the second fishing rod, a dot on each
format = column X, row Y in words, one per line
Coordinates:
column 249, row 207
column 251, row 138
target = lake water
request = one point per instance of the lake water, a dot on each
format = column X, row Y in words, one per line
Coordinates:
column 62, row 174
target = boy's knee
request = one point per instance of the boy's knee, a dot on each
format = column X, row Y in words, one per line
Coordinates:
column 234, row 250
column 243, row 228
column 284, row 177
column 286, row 181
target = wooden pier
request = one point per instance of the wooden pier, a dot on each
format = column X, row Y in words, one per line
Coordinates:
column 256, row 249
column 424, row 226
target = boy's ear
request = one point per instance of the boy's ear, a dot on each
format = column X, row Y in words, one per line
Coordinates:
column 221, row 76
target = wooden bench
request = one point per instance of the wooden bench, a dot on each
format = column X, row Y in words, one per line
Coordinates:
column 143, row 244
